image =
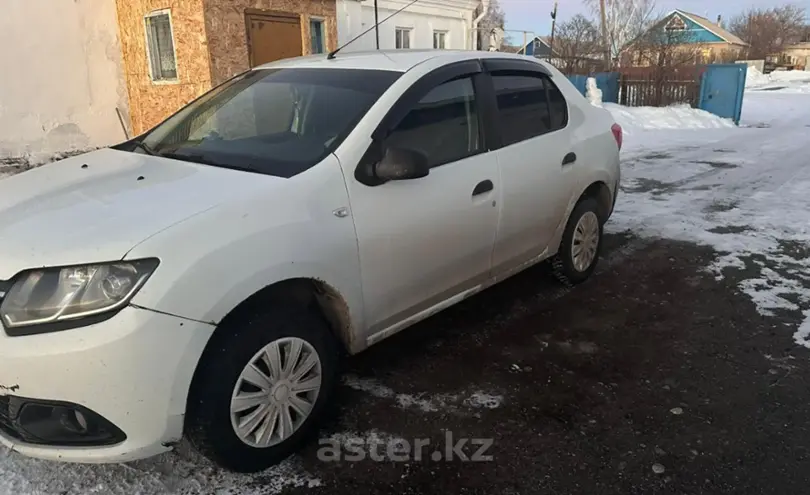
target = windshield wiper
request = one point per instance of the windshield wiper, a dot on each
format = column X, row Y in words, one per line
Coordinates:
column 145, row 147
column 198, row 158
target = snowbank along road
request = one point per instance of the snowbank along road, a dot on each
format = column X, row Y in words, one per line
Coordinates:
column 681, row 367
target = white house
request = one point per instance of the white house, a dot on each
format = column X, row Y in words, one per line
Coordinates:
column 426, row 24
column 62, row 87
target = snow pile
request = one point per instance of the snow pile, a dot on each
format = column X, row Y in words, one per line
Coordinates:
column 754, row 78
column 789, row 76
column 672, row 117
column 593, row 93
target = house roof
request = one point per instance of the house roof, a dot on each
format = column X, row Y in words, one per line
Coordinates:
column 711, row 27
column 545, row 40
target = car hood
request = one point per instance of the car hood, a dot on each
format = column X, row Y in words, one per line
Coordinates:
column 98, row 206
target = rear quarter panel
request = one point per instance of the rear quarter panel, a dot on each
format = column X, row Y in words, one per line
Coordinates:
column 593, row 142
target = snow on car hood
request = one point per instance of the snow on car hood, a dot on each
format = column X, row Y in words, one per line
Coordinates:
column 97, row 206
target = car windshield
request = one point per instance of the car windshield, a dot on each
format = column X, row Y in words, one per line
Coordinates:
column 272, row 121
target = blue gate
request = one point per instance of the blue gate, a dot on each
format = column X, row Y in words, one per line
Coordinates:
column 608, row 82
column 721, row 90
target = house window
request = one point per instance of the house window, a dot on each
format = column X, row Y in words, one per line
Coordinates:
column 160, row 46
column 675, row 24
column 403, row 38
column 316, row 35
column 440, row 39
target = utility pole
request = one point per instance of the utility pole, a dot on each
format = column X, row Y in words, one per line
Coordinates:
column 377, row 24
column 605, row 35
column 553, row 25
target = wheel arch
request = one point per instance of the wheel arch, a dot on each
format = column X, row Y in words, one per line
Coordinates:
column 597, row 188
column 302, row 293
column 600, row 191
column 305, row 293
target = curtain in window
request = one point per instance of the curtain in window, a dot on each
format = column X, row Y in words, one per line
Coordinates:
column 161, row 47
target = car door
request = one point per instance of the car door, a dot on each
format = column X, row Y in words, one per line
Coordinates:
column 425, row 243
column 536, row 161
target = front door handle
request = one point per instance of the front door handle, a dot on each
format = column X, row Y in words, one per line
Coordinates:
column 569, row 159
column 483, row 187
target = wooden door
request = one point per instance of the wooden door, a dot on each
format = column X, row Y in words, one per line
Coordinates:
column 272, row 36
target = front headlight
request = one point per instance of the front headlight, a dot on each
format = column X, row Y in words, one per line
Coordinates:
column 54, row 295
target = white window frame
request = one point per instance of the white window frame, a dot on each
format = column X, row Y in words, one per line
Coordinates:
column 403, row 29
column 157, row 13
column 444, row 35
column 683, row 27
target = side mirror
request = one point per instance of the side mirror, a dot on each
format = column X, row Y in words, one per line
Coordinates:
column 402, row 164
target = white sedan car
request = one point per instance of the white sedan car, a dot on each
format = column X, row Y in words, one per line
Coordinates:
column 202, row 280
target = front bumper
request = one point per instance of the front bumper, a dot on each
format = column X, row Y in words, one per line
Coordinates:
column 133, row 370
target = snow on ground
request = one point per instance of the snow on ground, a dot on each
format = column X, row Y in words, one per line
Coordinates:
column 446, row 403
column 180, row 473
column 744, row 191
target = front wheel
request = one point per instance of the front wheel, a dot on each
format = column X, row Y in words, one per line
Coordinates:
column 579, row 249
column 261, row 388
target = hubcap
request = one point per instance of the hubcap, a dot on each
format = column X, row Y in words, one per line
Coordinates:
column 586, row 241
column 276, row 392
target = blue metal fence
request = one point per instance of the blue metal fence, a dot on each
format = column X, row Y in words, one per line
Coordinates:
column 721, row 88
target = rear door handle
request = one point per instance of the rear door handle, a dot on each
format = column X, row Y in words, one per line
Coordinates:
column 483, row 187
column 569, row 159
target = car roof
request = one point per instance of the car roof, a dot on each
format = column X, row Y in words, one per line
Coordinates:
column 393, row 60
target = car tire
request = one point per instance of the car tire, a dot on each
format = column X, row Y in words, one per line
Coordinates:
column 224, row 380
column 581, row 244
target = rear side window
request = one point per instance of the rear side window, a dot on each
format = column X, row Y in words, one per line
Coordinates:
column 443, row 125
column 557, row 106
column 522, row 105
column 529, row 106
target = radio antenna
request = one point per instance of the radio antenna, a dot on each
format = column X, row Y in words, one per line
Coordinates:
column 334, row 52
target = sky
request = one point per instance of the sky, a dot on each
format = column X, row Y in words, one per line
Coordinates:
column 534, row 15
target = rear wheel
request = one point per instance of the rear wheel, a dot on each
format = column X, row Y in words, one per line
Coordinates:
column 261, row 388
column 581, row 243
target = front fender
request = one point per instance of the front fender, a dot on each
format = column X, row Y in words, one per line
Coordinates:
column 212, row 262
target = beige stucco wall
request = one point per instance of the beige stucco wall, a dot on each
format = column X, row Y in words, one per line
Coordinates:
column 61, row 76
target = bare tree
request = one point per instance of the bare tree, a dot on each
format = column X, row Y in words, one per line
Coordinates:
column 625, row 20
column 666, row 45
column 494, row 19
column 667, row 56
column 576, row 42
column 768, row 30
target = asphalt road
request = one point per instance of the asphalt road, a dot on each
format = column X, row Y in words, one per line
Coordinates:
column 652, row 377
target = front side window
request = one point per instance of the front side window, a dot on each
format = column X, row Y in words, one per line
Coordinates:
column 523, row 106
column 273, row 121
column 160, row 46
column 316, row 36
column 439, row 39
column 403, row 36
column 443, row 125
